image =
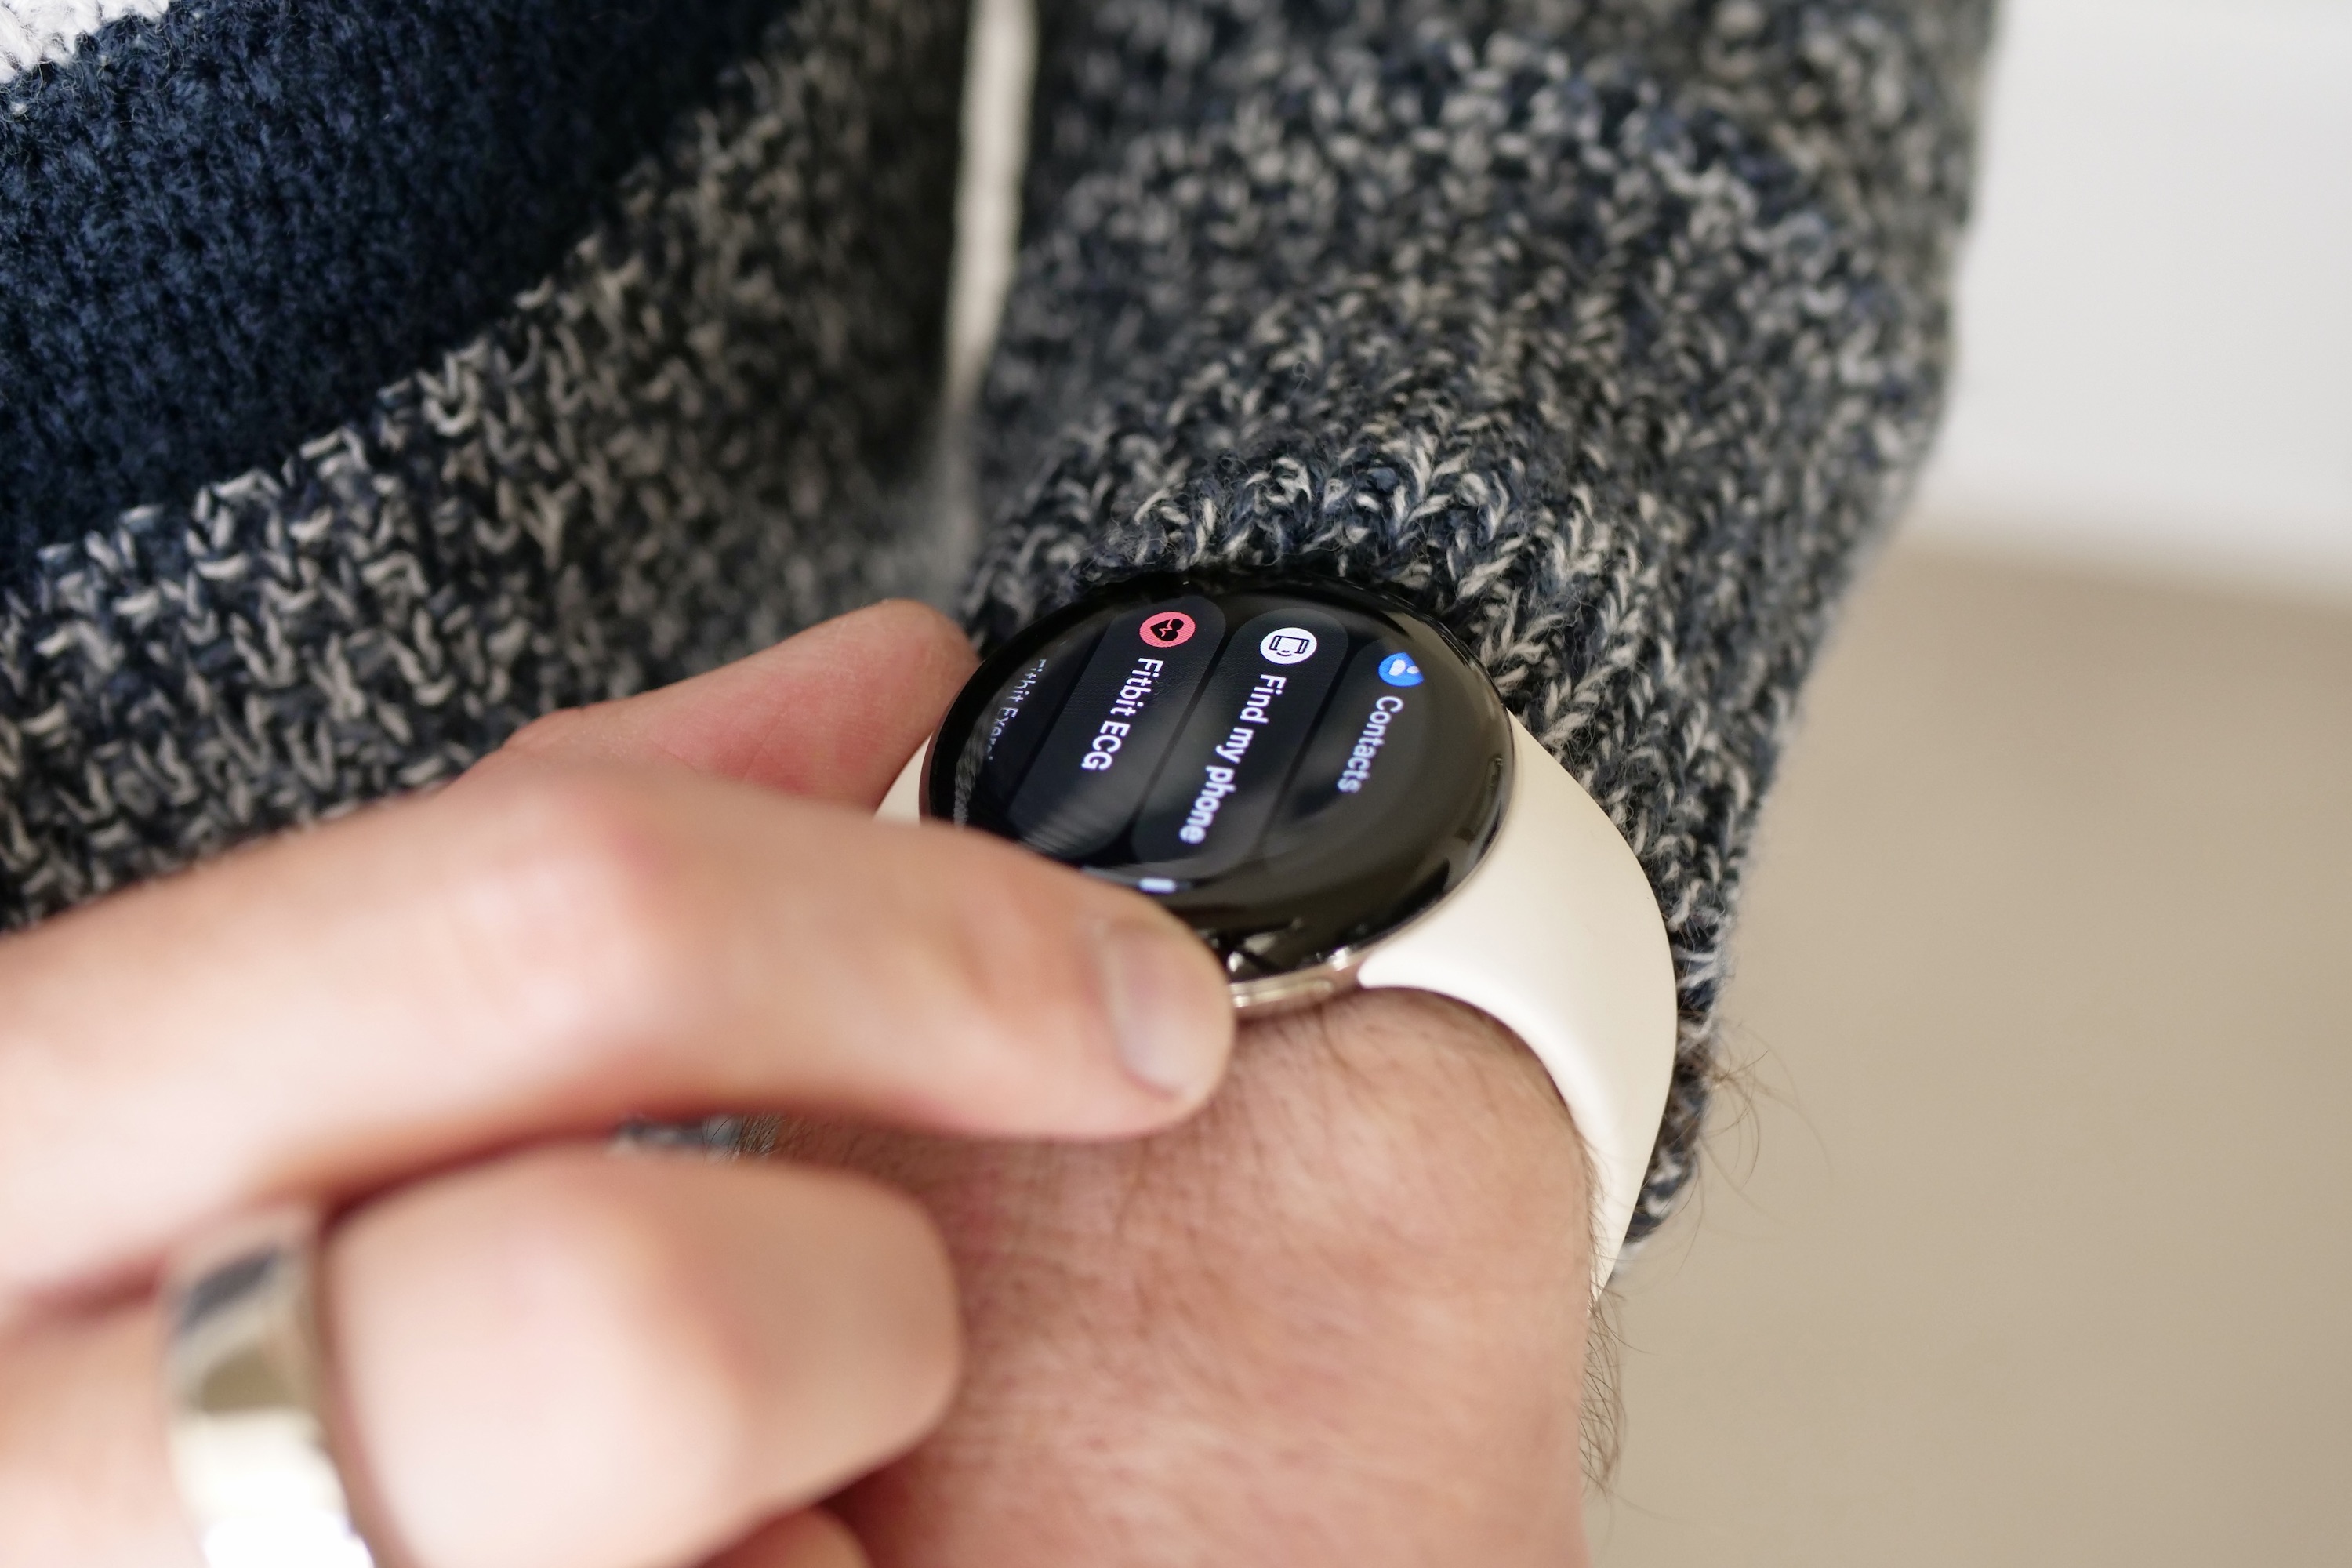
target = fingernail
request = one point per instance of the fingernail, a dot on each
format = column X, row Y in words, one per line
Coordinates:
column 1168, row 1009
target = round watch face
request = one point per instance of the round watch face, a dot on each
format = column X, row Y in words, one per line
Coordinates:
column 1297, row 770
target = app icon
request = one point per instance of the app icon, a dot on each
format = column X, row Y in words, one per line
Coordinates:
column 1172, row 628
column 1398, row 669
column 1291, row 645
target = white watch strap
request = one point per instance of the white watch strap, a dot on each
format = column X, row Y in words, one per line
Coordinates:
column 1557, row 937
column 905, row 801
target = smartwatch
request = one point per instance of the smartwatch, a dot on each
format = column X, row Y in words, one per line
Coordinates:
column 1328, row 789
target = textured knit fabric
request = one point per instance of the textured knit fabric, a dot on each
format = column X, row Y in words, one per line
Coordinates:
column 1606, row 330
column 666, row 455
column 222, row 230
column 32, row 31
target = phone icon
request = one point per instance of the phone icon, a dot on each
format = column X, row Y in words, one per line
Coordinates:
column 1290, row 644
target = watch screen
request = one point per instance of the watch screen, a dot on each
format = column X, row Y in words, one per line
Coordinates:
column 1295, row 770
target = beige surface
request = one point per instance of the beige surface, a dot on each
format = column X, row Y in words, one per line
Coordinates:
column 2036, row 1247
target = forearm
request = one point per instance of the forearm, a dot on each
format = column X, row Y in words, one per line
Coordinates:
column 1609, row 341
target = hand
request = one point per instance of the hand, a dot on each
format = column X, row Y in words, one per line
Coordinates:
column 550, row 1354
column 1340, row 1318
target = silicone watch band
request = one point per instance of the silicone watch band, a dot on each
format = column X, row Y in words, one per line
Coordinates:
column 1556, row 936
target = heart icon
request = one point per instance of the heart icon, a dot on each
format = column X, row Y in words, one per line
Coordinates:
column 1171, row 629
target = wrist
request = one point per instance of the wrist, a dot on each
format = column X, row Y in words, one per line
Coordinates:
column 1343, row 1308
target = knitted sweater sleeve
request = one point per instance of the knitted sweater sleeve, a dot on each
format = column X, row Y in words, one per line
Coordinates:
column 1608, row 331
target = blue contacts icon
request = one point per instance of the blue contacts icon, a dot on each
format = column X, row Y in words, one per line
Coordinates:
column 1398, row 669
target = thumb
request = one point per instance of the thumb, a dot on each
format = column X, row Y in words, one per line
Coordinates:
column 832, row 713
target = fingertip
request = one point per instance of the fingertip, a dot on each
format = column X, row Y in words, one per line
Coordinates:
column 1171, row 1015
column 913, row 621
column 1037, row 1002
column 902, row 647
column 833, row 712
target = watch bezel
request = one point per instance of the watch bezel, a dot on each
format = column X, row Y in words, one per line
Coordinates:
column 1313, row 957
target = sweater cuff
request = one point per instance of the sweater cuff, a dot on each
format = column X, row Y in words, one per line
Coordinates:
column 1584, row 368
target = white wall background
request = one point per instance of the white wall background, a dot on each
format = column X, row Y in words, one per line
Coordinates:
column 2157, row 302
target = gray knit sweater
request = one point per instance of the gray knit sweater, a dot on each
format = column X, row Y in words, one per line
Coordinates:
column 372, row 381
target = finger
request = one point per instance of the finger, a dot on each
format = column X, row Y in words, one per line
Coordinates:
column 566, row 1359
column 550, row 952
column 83, row 1476
column 833, row 712
column 580, row 1361
column 814, row 1539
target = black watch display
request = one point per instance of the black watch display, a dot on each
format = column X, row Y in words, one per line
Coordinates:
column 1295, row 769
